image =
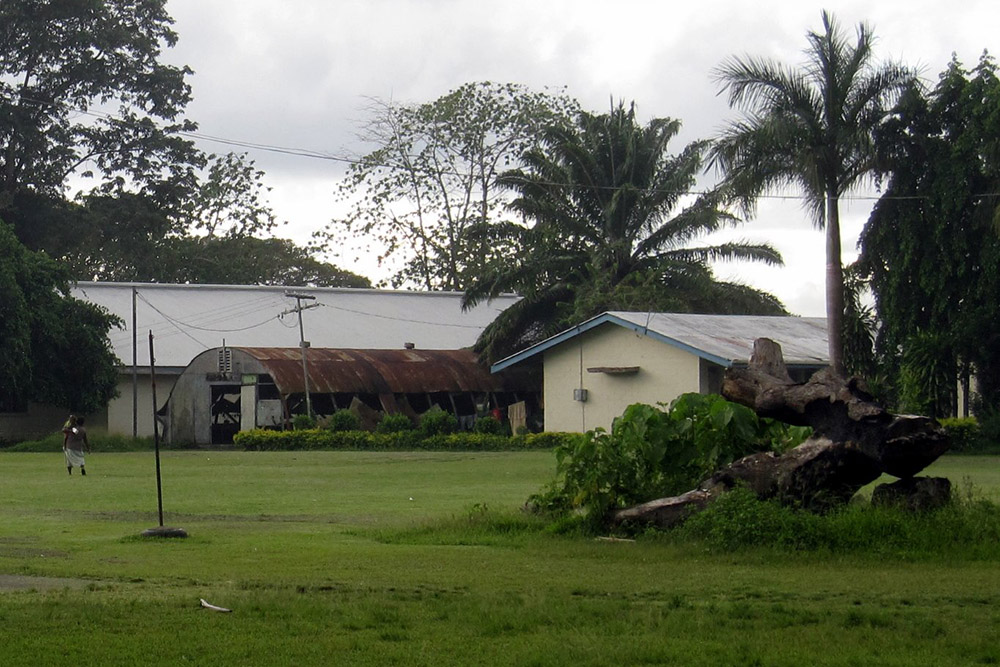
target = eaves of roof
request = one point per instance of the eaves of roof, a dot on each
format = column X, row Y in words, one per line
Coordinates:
column 637, row 327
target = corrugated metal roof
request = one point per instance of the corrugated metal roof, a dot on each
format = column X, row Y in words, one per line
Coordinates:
column 803, row 340
column 722, row 339
column 189, row 319
column 383, row 371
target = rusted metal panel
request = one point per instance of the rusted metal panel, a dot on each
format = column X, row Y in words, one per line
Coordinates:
column 384, row 371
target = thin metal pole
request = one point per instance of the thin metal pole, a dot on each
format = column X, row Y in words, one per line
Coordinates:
column 303, row 345
column 135, row 372
column 156, row 430
column 305, row 366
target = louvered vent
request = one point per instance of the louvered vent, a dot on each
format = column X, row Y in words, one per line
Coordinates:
column 225, row 360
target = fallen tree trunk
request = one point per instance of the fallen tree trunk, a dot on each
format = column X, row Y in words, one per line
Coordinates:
column 854, row 441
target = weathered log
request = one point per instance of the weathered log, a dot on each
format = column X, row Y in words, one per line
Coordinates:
column 854, row 441
column 667, row 512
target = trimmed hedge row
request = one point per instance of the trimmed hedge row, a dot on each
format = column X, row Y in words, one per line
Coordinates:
column 969, row 436
column 261, row 440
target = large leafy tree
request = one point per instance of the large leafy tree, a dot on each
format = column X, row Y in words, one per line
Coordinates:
column 82, row 91
column 931, row 248
column 247, row 260
column 211, row 235
column 53, row 348
column 810, row 127
column 611, row 230
column 432, row 177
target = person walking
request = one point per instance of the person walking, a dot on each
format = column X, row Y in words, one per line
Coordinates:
column 74, row 444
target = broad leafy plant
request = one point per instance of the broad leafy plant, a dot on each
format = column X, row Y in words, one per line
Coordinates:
column 652, row 452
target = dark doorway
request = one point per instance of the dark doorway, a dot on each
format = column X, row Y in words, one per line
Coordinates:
column 225, row 413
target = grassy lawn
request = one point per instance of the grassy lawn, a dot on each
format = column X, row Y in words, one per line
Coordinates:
column 420, row 559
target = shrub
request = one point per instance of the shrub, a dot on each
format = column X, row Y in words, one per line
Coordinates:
column 964, row 529
column 651, row 453
column 739, row 520
column 989, row 431
column 303, row 422
column 99, row 441
column 549, row 439
column 490, row 426
column 437, row 422
column 411, row 440
column 393, row 423
column 342, row 420
column 963, row 433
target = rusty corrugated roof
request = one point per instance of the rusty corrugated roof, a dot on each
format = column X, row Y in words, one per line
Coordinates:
column 383, row 371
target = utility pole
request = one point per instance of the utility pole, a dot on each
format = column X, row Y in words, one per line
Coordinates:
column 135, row 372
column 156, row 431
column 303, row 343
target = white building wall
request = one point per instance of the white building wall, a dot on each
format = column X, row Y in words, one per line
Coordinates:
column 664, row 373
column 119, row 419
column 37, row 422
column 42, row 420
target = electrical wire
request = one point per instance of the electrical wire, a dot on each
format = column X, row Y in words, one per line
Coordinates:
column 401, row 319
column 321, row 155
column 179, row 325
column 206, row 317
column 194, row 326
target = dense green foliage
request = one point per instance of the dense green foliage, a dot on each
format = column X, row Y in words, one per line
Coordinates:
column 341, row 420
column 437, row 422
column 105, row 248
column 812, row 127
column 100, row 443
column 609, row 230
column 60, row 59
column 397, row 441
column 54, row 349
column 389, row 423
column 303, row 422
column 491, row 426
column 972, row 435
column 130, row 236
column 652, row 453
column 738, row 520
column 931, row 249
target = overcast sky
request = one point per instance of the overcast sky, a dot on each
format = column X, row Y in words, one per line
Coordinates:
column 297, row 73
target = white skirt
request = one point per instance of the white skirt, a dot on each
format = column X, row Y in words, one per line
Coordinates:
column 74, row 457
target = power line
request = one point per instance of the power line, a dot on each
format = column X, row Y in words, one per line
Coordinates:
column 322, row 155
column 180, row 325
column 401, row 319
column 300, row 152
column 193, row 326
column 206, row 317
column 172, row 322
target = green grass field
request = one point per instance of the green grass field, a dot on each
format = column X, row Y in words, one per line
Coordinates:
column 424, row 559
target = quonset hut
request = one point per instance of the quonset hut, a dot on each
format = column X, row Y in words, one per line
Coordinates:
column 228, row 389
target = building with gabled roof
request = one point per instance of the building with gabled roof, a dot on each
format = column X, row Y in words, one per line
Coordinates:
column 593, row 371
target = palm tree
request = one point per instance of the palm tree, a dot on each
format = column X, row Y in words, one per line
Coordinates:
column 811, row 127
column 602, row 195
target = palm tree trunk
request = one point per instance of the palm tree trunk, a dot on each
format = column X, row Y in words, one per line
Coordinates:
column 834, row 285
